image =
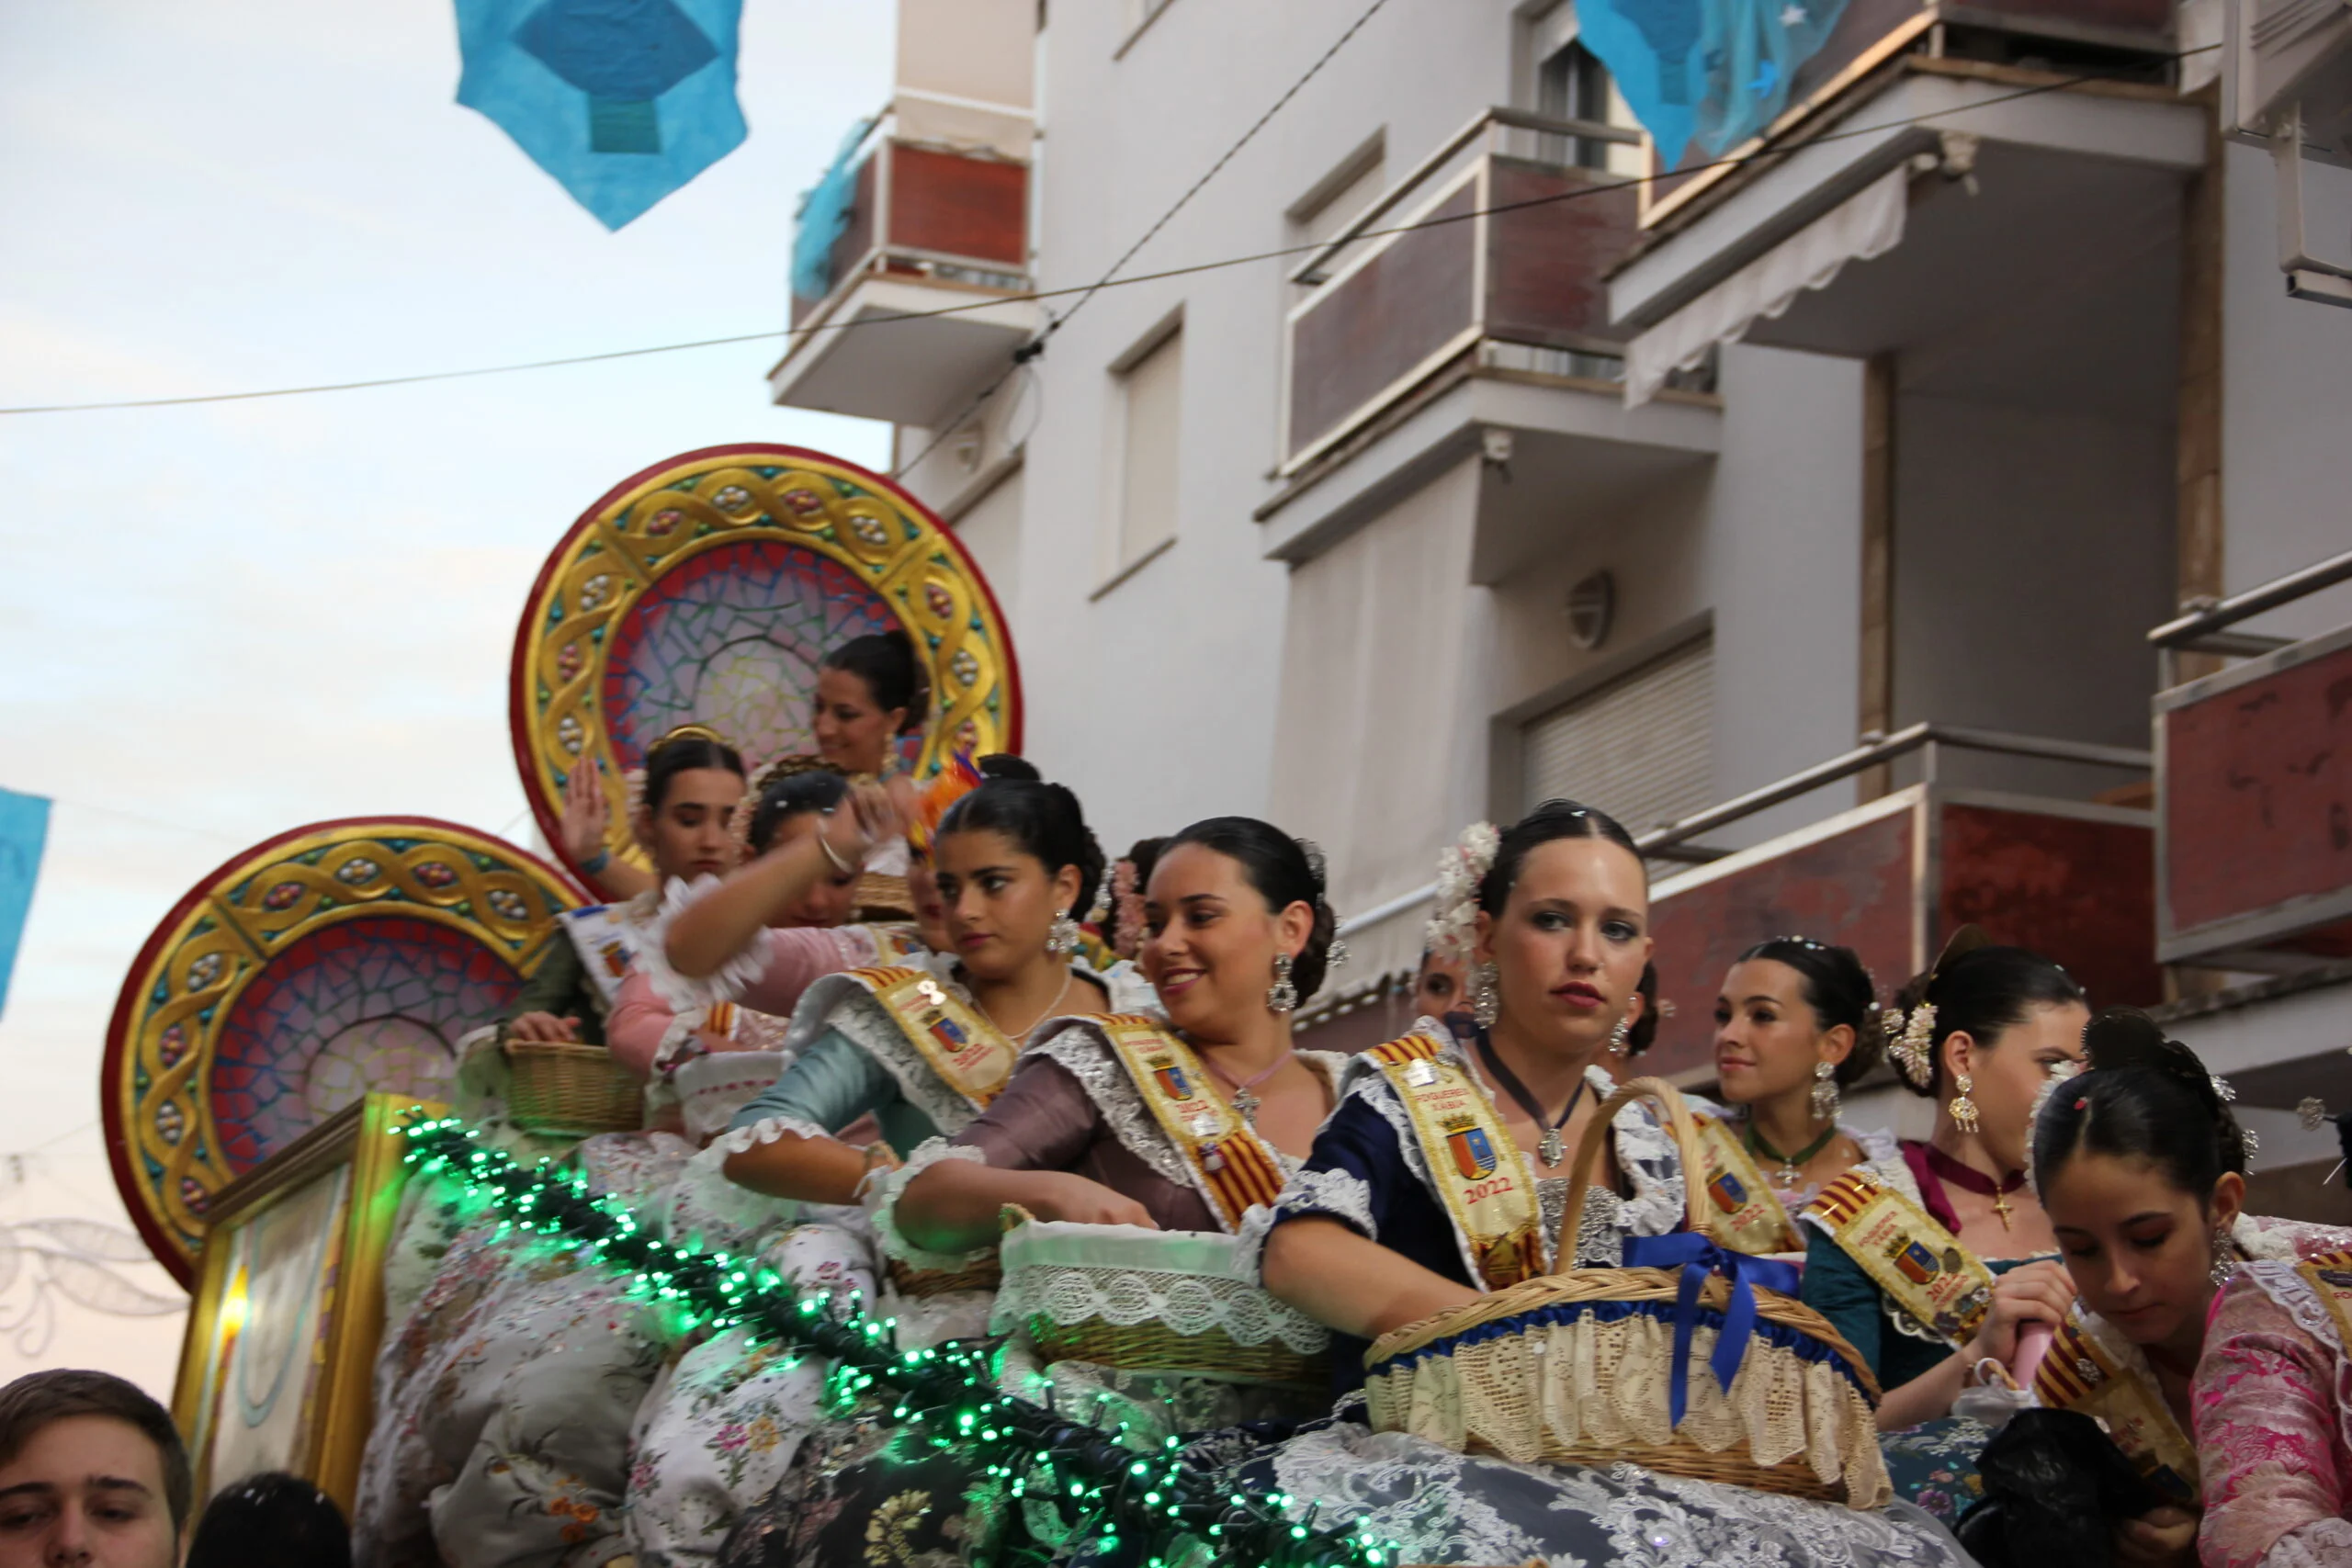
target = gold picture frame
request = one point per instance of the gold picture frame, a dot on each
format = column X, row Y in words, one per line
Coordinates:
column 277, row 1371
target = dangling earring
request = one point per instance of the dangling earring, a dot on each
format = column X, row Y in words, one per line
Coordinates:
column 1619, row 1037
column 1825, row 1101
column 1062, row 940
column 1486, row 1001
column 1281, row 995
column 1963, row 1110
column 2225, row 1254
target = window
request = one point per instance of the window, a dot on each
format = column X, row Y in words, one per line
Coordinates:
column 1641, row 748
column 1572, row 84
column 1151, row 388
column 1339, row 195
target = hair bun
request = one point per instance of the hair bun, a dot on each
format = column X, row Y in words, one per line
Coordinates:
column 2122, row 1037
column 1005, row 765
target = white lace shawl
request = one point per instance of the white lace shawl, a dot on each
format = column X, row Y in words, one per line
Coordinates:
column 1644, row 1151
column 1082, row 1050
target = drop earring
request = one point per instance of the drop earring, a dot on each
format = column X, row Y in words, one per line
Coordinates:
column 1062, row 940
column 2225, row 1259
column 1825, row 1099
column 1485, row 1002
column 1620, row 1039
column 1281, row 995
column 1963, row 1110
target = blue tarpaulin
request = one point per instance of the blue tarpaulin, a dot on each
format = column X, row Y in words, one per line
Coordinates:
column 824, row 215
column 622, row 101
column 24, row 828
column 1704, row 76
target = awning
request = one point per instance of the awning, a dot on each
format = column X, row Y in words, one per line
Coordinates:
column 1867, row 225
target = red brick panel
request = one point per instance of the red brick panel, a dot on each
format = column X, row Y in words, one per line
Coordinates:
column 959, row 205
column 2080, row 892
column 1853, row 888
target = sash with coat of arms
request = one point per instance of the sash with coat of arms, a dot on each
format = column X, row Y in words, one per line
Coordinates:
column 1748, row 1216
column 969, row 1055
column 2078, row 1374
column 1944, row 1287
column 1481, row 1177
column 1232, row 1167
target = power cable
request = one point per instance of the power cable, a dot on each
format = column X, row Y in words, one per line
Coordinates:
column 1598, row 187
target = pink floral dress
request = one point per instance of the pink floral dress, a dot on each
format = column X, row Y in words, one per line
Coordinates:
column 2272, row 1404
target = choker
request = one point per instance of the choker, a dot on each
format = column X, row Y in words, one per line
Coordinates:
column 1971, row 1179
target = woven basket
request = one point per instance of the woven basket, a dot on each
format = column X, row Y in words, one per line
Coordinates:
column 1516, row 1373
column 1035, row 1253
column 558, row 1087
column 912, row 1281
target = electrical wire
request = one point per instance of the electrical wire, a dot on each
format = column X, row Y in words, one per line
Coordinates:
column 1598, row 187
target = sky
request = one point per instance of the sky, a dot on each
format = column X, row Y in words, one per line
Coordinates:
column 218, row 623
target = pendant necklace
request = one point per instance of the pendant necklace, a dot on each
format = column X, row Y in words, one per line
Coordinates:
column 1051, row 1008
column 1553, row 1148
column 1244, row 1100
column 1790, row 1173
column 1970, row 1178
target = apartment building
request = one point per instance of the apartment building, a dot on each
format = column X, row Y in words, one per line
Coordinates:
column 1808, row 503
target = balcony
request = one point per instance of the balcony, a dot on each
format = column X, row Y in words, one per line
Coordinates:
column 928, row 228
column 2254, row 789
column 1468, row 298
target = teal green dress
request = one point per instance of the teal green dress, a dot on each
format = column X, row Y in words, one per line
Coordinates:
column 831, row 1084
column 1934, row 1463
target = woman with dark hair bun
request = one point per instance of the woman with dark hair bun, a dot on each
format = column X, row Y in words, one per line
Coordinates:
column 1442, row 1180
column 1796, row 1024
column 2190, row 1313
column 870, row 691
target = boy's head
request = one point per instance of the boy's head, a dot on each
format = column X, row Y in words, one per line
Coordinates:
column 92, row 1473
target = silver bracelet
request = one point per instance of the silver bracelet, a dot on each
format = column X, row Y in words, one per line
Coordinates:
column 840, row 865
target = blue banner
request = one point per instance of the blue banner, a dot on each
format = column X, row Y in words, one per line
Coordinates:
column 24, row 829
column 1709, row 73
column 622, row 101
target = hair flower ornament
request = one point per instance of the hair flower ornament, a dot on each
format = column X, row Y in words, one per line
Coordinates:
column 1127, row 909
column 1452, row 927
column 1910, row 1040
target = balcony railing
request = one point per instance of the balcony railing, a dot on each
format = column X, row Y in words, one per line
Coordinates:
column 2254, row 787
column 954, row 215
column 1495, row 243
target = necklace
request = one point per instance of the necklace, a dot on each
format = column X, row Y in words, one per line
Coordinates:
column 1051, row 1008
column 1553, row 1147
column 1243, row 1100
column 1971, row 1179
column 1788, row 1176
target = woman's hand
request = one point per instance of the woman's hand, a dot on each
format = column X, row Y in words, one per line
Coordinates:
column 544, row 1029
column 2165, row 1537
column 1063, row 1196
column 2034, row 1292
column 581, row 828
column 872, row 819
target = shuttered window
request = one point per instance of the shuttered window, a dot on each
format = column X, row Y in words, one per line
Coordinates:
column 1641, row 749
column 1153, row 388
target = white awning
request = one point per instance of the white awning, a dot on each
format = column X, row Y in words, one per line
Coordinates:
column 1864, row 226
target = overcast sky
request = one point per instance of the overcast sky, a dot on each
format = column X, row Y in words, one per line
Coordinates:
column 220, row 623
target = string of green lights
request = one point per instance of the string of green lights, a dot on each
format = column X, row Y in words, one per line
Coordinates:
column 1156, row 1509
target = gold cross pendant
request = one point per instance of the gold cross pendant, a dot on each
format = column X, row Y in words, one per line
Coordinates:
column 2001, row 1206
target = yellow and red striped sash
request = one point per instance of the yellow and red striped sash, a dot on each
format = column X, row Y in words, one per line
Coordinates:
column 2077, row 1373
column 971, row 1056
column 1945, row 1288
column 1233, row 1168
column 1481, row 1177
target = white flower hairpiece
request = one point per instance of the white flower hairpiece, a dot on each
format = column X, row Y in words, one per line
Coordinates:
column 2059, row 1073
column 1453, row 924
column 1911, row 1042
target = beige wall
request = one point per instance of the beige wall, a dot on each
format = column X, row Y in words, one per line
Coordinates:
column 983, row 51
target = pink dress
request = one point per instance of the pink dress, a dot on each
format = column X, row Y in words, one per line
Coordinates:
column 2273, row 1409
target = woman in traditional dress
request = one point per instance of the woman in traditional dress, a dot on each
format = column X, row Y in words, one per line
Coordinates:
column 1931, row 1262
column 872, row 693
column 921, row 1048
column 1796, row 1023
column 1442, row 1175
column 2142, row 1167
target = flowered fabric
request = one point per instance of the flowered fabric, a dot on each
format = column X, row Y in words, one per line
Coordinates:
column 2272, row 1406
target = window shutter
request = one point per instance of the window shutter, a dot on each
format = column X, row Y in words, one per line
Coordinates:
column 1641, row 749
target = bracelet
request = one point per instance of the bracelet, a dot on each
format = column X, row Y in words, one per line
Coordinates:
column 840, row 865
column 595, row 864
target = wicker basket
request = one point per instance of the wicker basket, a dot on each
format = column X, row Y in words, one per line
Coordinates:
column 1108, row 1262
column 558, row 1087
column 984, row 1275
column 1531, row 1373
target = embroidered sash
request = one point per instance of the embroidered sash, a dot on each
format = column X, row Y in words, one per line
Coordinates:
column 1748, row 1216
column 1945, row 1288
column 969, row 1055
column 2078, row 1374
column 1482, row 1178
column 895, row 941
column 2329, row 1275
column 1233, row 1168
column 607, row 947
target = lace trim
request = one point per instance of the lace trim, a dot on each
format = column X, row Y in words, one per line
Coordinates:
column 2277, row 1279
column 884, row 1204
column 1082, row 1051
column 678, row 1040
column 766, row 1130
column 685, row 993
column 1187, row 1304
column 2321, row 1543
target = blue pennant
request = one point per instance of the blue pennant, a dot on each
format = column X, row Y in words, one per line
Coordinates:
column 1705, row 77
column 24, row 829
column 622, row 101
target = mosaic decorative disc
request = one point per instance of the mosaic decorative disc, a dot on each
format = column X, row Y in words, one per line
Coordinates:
column 706, row 589
column 333, row 960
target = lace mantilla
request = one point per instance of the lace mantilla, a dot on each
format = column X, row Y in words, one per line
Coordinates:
column 883, row 1204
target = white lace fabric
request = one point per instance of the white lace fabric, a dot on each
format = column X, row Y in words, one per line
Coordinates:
column 766, row 1130
column 684, row 993
column 2323, row 1543
column 2276, row 1278
column 884, row 1208
column 1190, row 1283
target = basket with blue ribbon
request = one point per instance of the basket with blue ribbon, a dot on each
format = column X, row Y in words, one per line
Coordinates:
column 1693, row 1360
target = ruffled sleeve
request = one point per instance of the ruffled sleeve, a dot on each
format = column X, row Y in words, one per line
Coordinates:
column 767, row 976
column 2269, row 1407
column 1343, row 1172
column 828, row 1085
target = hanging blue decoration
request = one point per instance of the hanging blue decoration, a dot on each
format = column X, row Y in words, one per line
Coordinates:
column 1706, row 74
column 24, row 829
column 622, row 101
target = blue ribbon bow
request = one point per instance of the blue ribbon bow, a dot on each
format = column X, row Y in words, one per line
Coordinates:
column 1700, row 1257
